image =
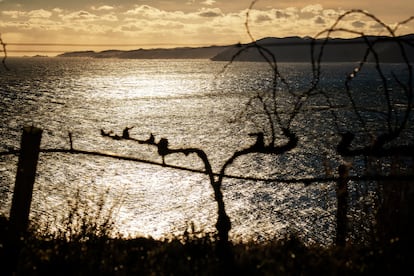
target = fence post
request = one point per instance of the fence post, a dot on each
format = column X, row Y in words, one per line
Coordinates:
column 22, row 194
column 25, row 178
column 342, row 206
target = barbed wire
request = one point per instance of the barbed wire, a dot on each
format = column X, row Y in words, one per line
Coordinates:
column 304, row 180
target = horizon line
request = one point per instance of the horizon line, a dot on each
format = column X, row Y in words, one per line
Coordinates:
column 95, row 45
column 108, row 47
column 51, row 44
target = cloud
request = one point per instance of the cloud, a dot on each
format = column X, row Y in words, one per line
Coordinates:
column 14, row 14
column 79, row 16
column 149, row 12
column 103, row 8
column 152, row 24
column 57, row 10
column 358, row 24
column 210, row 12
column 109, row 17
column 208, row 2
column 130, row 27
column 144, row 10
column 40, row 14
column 319, row 20
column 30, row 14
column 313, row 9
column 262, row 18
column 281, row 14
column 331, row 13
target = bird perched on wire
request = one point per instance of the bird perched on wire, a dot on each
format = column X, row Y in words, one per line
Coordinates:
column 125, row 132
column 259, row 145
column 151, row 139
column 163, row 149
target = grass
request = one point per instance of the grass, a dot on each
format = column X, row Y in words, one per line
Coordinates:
column 87, row 244
column 199, row 254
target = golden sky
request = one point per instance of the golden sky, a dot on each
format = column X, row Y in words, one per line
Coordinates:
column 50, row 26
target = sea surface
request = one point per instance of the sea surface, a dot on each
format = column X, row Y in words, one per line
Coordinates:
column 212, row 106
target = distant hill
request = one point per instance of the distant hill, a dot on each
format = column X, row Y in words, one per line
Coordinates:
column 174, row 53
column 297, row 49
column 287, row 49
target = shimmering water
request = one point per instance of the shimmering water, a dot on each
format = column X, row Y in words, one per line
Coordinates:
column 193, row 104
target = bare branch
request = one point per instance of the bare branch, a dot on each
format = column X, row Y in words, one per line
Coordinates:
column 3, row 46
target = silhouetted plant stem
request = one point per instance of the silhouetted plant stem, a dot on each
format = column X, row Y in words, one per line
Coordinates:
column 223, row 224
column 3, row 46
column 342, row 206
column 270, row 105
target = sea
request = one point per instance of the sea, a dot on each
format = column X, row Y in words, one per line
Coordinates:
column 213, row 106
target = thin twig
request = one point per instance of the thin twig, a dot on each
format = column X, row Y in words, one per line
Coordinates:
column 4, row 50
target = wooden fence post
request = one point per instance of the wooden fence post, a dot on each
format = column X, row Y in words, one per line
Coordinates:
column 22, row 196
column 25, row 178
column 342, row 205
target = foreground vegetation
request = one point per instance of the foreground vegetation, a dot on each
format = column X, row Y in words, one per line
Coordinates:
column 199, row 254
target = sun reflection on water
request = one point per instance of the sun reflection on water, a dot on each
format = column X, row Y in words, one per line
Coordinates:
column 192, row 105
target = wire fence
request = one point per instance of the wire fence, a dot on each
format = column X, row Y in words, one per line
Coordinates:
column 360, row 139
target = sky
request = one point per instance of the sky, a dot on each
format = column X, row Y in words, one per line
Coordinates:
column 53, row 26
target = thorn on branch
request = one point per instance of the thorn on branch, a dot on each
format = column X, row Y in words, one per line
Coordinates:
column 3, row 46
column 110, row 134
column 70, row 141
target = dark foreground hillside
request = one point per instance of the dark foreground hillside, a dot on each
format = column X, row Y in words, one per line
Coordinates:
column 196, row 254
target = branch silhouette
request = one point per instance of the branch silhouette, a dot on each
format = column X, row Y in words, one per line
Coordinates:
column 4, row 50
column 223, row 224
column 394, row 125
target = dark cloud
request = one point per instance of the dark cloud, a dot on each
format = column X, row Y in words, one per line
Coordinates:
column 80, row 15
column 358, row 24
column 320, row 20
column 280, row 14
column 83, row 14
column 209, row 14
column 262, row 18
